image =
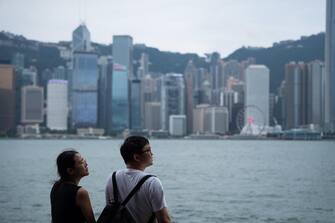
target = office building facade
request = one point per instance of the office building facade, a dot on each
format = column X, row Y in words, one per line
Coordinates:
column 172, row 97
column 81, row 39
column 57, row 105
column 257, row 90
column 7, row 98
column 120, row 99
column 330, row 67
column 84, row 97
column 32, row 105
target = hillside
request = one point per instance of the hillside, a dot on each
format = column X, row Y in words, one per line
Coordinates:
column 46, row 55
column 306, row 49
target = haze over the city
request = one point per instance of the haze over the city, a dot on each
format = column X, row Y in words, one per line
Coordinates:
column 180, row 26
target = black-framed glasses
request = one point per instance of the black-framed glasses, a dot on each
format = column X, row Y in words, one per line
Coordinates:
column 146, row 150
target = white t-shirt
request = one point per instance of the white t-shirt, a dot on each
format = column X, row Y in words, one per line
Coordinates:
column 148, row 199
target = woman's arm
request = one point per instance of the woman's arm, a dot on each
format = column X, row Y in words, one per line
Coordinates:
column 83, row 201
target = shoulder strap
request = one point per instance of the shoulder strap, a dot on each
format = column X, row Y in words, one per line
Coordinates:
column 136, row 188
column 115, row 189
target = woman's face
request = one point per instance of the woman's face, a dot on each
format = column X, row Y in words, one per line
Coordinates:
column 80, row 166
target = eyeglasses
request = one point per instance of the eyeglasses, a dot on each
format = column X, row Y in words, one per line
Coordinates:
column 147, row 150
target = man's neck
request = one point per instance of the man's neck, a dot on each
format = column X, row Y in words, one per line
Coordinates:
column 135, row 166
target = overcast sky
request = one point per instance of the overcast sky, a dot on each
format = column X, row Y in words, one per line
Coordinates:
column 195, row 26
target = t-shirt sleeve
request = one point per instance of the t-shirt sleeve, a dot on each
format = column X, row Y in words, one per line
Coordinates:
column 156, row 195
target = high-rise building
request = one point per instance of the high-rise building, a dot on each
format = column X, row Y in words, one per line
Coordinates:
column 152, row 116
column 32, row 108
column 84, row 90
column 216, row 120
column 245, row 64
column 330, row 67
column 199, row 118
column 29, row 77
column 105, row 93
column 81, row 39
column 177, row 125
column 24, row 77
column 172, row 97
column 57, row 106
column 315, row 93
column 143, row 69
column 135, row 104
column 120, row 99
column 228, row 99
column 279, row 108
column 7, row 98
column 189, row 74
column 216, row 77
column 232, row 68
column 239, row 88
column 123, row 53
column 295, row 95
column 18, row 61
column 257, row 90
column 142, row 74
column 216, row 71
column 59, row 73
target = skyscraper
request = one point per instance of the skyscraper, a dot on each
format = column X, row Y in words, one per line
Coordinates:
column 177, row 125
column 105, row 93
column 257, row 90
column 152, row 116
column 84, row 90
column 123, row 53
column 57, row 108
column 217, row 77
column 228, row 99
column 199, row 118
column 330, row 66
column 144, row 66
column 190, row 73
column 7, row 98
column 32, row 105
column 135, row 104
column 315, row 93
column 216, row 120
column 81, row 39
column 295, row 95
column 120, row 99
column 122, row 74
column 172, row 97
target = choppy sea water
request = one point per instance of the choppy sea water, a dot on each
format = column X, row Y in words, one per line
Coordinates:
column 204, row 181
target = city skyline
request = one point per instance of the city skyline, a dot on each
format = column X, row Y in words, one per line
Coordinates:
column 187, row 26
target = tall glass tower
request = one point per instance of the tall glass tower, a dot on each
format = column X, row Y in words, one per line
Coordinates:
column 122, row 73
column 84, row 90
column 81, row 39
column 172, row 97
column 330, row 66
column 120, row 99
column 123, row 53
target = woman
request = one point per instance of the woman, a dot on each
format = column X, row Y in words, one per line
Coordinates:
column 70, row 203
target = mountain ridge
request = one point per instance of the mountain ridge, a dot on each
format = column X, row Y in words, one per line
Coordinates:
column 46, row 54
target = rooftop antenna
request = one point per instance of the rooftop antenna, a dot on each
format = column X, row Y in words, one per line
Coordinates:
column 85, row 11
column 82, row 11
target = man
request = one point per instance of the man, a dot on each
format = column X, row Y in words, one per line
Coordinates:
column 149, row 199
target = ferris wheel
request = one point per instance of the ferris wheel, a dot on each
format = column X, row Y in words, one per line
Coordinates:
column 250, row 120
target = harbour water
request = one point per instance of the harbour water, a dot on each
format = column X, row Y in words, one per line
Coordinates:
column 205, row 181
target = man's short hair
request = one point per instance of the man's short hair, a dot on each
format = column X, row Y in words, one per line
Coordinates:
column 132, row 145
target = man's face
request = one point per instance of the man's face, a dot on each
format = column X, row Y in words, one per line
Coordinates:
column 146, row 155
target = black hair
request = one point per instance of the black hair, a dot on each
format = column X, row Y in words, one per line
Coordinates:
column 65, row 160
column 132, row 145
